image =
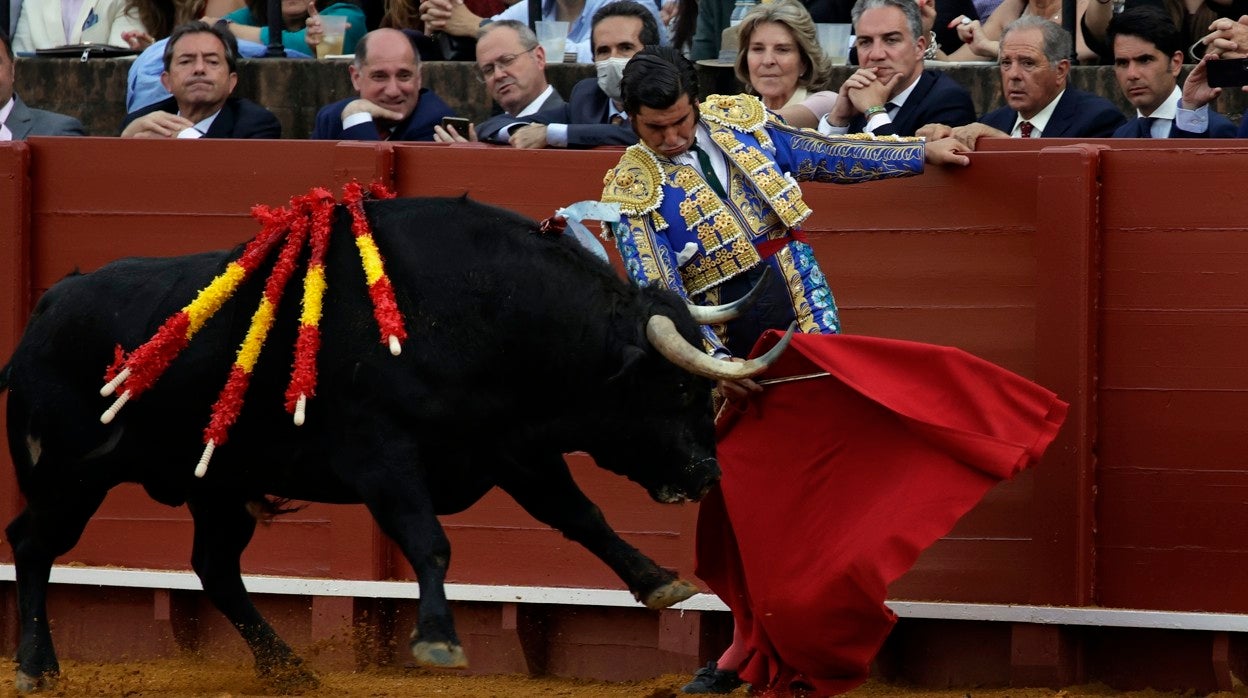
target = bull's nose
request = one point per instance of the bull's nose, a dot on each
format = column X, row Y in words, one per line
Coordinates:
column 709, row 473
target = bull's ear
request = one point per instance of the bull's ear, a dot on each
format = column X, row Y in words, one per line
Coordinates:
column 630, row 356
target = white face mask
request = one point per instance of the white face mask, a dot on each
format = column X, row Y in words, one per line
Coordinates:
column 610, row 71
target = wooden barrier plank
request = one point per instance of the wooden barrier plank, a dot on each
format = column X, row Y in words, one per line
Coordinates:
column 14, row 294
column 163, row 198
column 1065, row 345
column 1173, row 389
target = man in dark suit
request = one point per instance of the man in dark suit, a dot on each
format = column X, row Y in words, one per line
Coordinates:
column 18, row 121
column 1148, row 57
column 594, row 114
column 1035, row 64
column 201, row 71
column 512, row 64
column 892, row 94
column 392, row 105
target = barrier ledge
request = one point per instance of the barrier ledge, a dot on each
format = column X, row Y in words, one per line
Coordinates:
column 571, row 596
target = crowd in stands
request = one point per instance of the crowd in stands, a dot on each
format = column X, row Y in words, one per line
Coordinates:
column 182, row 81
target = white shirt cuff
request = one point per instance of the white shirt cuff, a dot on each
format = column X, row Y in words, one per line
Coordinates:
column 557, row 135
column 356, row 119
column 1193, row 120
column 828, row 129
column 877, row 121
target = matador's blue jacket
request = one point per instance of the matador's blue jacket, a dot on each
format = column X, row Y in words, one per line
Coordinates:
column 676, row 231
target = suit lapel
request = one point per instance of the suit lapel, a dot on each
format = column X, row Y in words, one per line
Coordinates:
column 1063, row 114
column 906, row 114
column 87, row 9
column 20, row 120
column 223, row 125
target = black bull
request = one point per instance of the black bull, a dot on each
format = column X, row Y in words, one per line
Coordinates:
column 522, row 347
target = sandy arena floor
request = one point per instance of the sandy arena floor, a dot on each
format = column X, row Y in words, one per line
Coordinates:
column 190, row 679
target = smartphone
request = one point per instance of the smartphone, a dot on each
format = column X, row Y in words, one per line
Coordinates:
column 1227, row 72
column 457, row 124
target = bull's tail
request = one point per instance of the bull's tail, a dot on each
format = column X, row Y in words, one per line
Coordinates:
column 4, row 376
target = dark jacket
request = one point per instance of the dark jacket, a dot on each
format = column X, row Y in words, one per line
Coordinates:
column 239, row 118
column 24, row 122
column 417, row 127
column 936, row 99
column 587, row 114
column 488, row 130
column 1078, row 115
column 1138, row 127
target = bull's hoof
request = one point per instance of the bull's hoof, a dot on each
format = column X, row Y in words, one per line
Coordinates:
column 670, row 594
column 25, row 683
column 439, row 655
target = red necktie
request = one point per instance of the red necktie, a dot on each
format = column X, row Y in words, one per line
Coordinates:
column 1025, row 129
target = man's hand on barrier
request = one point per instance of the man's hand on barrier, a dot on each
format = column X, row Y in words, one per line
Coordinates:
column 947, row 151
column 158, row 124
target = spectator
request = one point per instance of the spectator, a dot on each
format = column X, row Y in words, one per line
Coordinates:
column 456, row 19
column 1148, row 57
column 980, row 41
column 52, row 23
column 713, row 18
column 778, row 54
column 681, row 18
column 302, row 26
column 143, row 83
column 391, row 104
column 512, row 65
column 1193, row 20
column 201, row 71
column 594, row 114
column 159, row 17
column 1035, row 64
column 892, row 85
column 18, row 121
column 439, row 46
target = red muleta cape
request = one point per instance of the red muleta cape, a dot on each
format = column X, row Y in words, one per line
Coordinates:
column 833, row 485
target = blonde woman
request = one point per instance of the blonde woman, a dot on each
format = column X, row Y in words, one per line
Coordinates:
column 779, row 56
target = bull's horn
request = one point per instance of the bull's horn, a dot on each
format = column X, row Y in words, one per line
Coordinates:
column 661, row 332
column 713, row 314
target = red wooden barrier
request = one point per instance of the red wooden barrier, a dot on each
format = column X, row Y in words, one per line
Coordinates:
column 14, row 289
column 1110, row 276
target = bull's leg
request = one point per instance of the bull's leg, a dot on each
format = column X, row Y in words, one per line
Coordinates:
column 554, row 498
column 46, row 529
column 404, row 511
column 223, row 528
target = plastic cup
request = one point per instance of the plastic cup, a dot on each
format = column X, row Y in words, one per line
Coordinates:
column 834, row 41
column 553, row 36
column 335, row 27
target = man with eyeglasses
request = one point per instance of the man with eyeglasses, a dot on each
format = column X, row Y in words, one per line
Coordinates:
column 392, row 105
column 1039, row 102
column 512, row 64
column 594, row 114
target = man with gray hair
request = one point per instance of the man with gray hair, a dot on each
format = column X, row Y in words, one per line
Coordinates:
column 512, row 64
column 892, row 94
column 1035, row 65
